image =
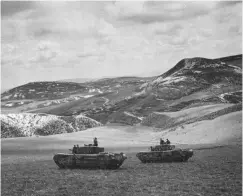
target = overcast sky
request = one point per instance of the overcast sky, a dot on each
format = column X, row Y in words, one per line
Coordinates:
column 60, row 40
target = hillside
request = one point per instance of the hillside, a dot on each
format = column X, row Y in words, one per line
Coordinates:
column 191, row 84
column 197, row 74
column 43, row 90
column 52, row 95
column 77, row 80
column 221, row 130
column 25, row 124
column 165, row 120
column 235, row 60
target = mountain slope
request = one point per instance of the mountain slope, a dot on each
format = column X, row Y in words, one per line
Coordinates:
column 191, row 84
column 196, row 74
column 165, row 120
column 235, row 60
column 43, row 95
column 43, row 90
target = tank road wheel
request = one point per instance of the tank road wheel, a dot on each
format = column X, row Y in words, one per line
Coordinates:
column 114, row 164
column 61, row 166
column 102, row 167
column 183, row 159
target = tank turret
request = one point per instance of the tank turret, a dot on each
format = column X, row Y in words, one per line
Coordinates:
column 89, row 150
column 163, row 147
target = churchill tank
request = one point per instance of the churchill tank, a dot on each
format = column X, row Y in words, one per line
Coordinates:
column 164, row 153
column 89, row 157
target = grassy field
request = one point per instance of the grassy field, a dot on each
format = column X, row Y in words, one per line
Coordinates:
column 211, row 171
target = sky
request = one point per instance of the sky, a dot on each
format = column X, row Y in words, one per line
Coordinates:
column 54, row 40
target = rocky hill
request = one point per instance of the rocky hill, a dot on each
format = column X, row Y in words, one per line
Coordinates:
column 196, row 74
column 26, row 124
column 190, row 83
column 235, row 60
column 52, row 95
column 43, row 90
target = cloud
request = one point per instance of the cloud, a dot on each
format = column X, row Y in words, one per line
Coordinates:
column 105, row 29
column 10, row 56
column 146, row 12
column 43, row 32
column 164, row 28
column 177, row 34
column 76, row 39
column 76, row 32
column 44, row 56
column 151, row 11
column 221, row 4
column 9, row 8
column 57, row 19
column 85, row 55
column 46, row 53
column 235, row 30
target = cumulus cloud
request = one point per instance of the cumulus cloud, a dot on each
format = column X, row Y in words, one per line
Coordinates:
column 221, row 4
column 165, row 28
column 156, row 11
column 84, row 55
column 235, row 30
column 9, row 8
column 45, row 51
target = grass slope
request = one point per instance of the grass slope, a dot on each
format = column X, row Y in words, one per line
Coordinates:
column 212, row 171
column 166, row 120
column 215, row 169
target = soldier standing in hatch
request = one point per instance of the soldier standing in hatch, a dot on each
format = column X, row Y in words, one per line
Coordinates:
column 77, row 149
column 167, row 141
column 74, row 149
column 95, row 142
column 162, row 141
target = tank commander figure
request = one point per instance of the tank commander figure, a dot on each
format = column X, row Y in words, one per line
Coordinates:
column 77, row 149
column 167, row 141
column 95, row 142
column 162, row 141
column 74, row 149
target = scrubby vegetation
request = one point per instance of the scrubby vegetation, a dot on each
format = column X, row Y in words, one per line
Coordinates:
column 24, row 125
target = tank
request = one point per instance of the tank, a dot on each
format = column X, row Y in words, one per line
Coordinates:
column 89, row 157
column 164, row 153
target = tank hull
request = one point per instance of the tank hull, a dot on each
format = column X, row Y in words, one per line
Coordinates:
column 89, row 161
column 176, row 155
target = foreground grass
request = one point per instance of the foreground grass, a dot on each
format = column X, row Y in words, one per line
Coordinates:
column 212, row 171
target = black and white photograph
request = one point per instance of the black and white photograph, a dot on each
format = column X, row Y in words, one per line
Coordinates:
column 121, row 98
